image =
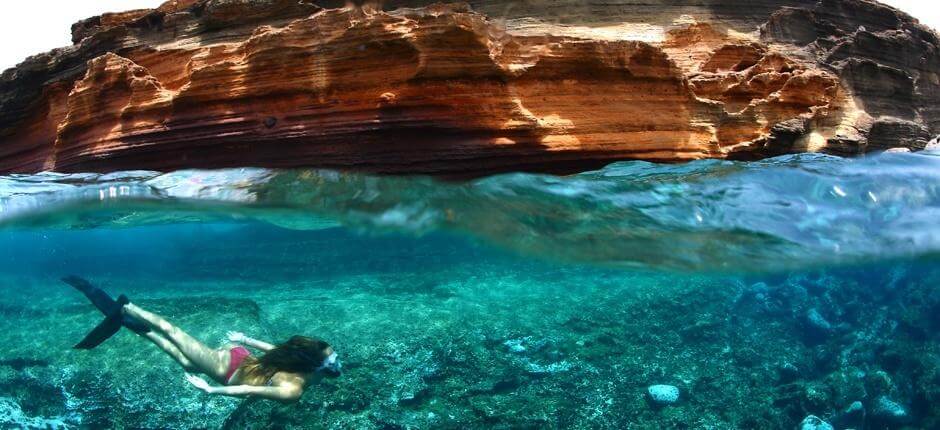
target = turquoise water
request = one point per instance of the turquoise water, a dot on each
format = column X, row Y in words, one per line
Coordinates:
column 764, row 292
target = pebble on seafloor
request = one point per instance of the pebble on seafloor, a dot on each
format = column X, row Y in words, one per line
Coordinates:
column 813, row 422
column 662, row 395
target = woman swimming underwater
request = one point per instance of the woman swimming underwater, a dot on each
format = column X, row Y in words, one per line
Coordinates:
column 280, row 373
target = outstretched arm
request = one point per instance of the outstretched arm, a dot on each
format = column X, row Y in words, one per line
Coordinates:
column 239, row 337
column 284, row 393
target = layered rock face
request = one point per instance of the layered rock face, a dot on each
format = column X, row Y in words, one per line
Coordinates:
column 466, row 89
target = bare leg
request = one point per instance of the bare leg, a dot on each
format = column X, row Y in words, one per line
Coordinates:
column 171, row 350
column 210, row 361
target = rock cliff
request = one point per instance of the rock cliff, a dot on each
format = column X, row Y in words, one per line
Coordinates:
column 470, row 88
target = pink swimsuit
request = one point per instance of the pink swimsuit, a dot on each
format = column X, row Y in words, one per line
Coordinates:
column 238, row 355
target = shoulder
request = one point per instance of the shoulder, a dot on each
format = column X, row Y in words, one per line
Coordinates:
column 291, row 393
column 288, row 379
column 289, row 384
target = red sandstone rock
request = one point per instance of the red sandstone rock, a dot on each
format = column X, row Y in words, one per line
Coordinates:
column 458, row 89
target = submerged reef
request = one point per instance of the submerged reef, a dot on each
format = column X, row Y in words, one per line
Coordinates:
column 438, row 334
column 470, row 88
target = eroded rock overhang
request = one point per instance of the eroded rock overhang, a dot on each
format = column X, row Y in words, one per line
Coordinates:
column 470, row 89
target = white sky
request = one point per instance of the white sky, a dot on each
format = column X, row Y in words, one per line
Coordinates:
column 34, row 26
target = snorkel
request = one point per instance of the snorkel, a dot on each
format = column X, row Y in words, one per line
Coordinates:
column 331, row 366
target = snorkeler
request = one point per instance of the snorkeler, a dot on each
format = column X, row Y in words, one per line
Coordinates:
column 280, row 373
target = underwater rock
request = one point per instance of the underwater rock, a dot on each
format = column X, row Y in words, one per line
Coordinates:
column 879, row 383
column 848, row 385
column 888, row 411
column 817, row 321
column 788, row 373
column 12, row 416
column 415, row 399
column 23, row 363
column 515, row 345
column 813, row 422
column 470, row 88
column 816, row 327
column 852, row 418
column 663, row 395
column 816, row 396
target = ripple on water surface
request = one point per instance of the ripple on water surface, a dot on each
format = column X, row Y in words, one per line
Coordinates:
column 786, row 212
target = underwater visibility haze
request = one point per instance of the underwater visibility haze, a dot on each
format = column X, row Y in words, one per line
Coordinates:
column 795, row 291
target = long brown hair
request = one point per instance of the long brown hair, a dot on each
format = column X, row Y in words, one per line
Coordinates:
column 299, row 354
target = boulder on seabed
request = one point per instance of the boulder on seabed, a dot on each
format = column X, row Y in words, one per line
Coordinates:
column 813, row 422
column 852, row 418
column 888, row 411
column 663, row 395
column 815, row 326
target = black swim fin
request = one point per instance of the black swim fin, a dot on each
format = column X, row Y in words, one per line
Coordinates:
column 102, row 332
column 111, row 308
column 98, row 297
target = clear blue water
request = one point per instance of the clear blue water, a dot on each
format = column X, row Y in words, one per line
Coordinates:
column 514, row 301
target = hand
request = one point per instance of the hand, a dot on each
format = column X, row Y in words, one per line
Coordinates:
column 199, row 383
column 236, row 336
